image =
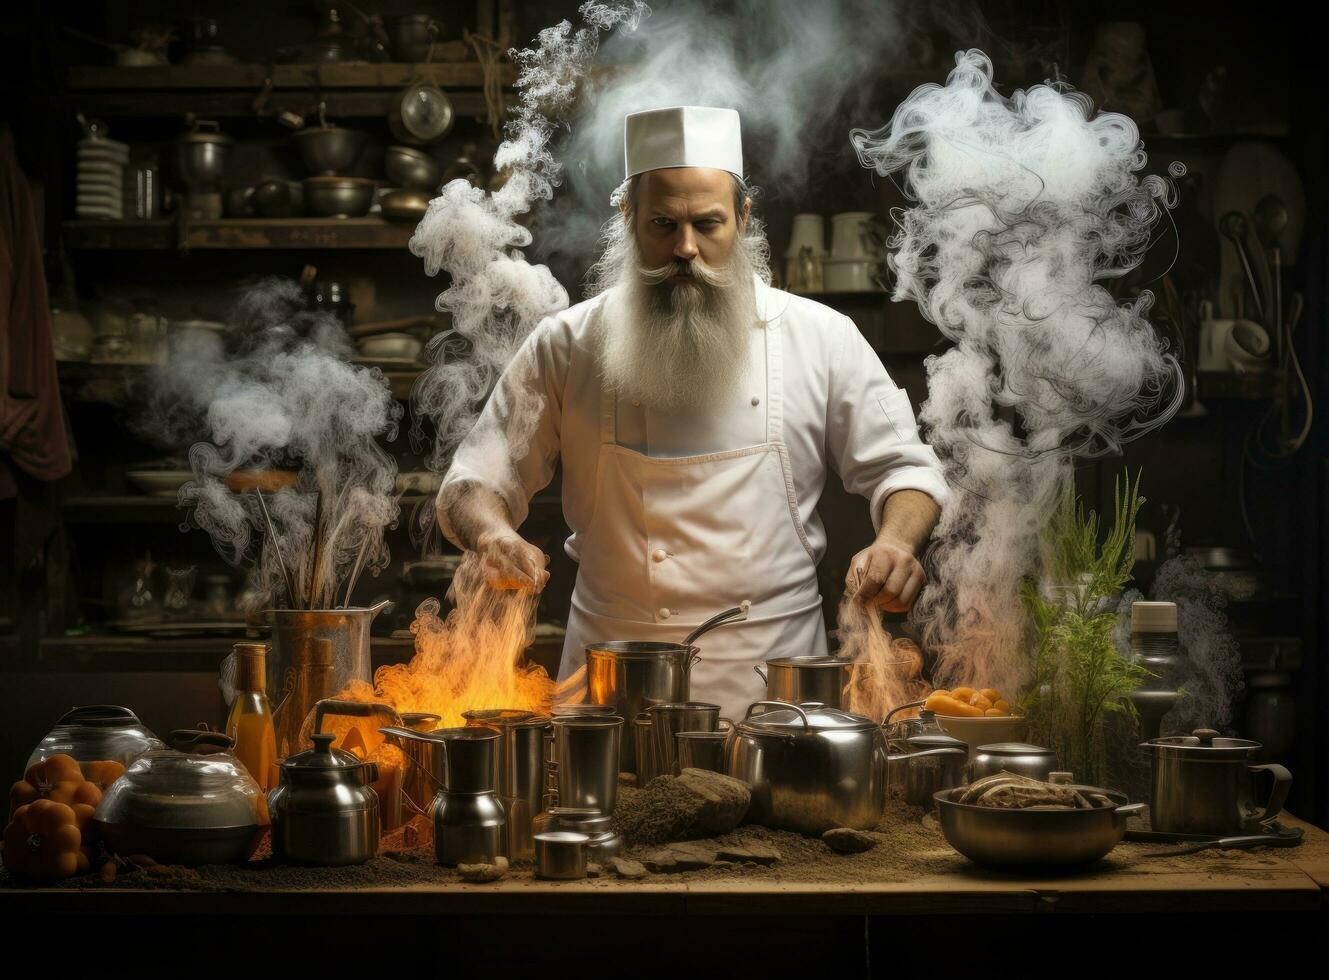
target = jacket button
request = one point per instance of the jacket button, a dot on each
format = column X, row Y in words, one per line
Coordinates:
column 659, row 554
column 755, row 401
column 665, row 614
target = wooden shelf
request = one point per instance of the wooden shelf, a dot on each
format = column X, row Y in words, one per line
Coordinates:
column 142, row 509
column 239, row 233
column 451, row 73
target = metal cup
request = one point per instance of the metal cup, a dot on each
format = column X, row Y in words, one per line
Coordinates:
column 701, row 750
column 586, row 757
column 667, row 720
column 520, row 764
column 560, row 855
column 644, row 748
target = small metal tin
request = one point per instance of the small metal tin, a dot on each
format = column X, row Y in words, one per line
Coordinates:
column 560, row 855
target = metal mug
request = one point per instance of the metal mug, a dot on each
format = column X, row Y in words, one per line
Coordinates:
column 667, row 720
column 586, row 761
column 1203, row 784
column 701, row 750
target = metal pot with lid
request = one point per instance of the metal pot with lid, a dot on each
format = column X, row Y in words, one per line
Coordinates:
column 97, row 733
column 1203, row 784
column 1019, row 758
column 811, row 767
column 800, row 679
column 190, row 804
column 325, row 810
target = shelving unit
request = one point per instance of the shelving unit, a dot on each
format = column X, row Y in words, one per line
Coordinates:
column 238, row 233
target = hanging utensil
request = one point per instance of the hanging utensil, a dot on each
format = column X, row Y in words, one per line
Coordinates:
column 421, row 114
column 1233, row 226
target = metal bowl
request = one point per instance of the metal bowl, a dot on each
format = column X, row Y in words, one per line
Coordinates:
column 410, row 35
column 338, row 197
column 329, row 149
column 983, row 731
column 404, row 204
column 411, row 168
column 1049, row 840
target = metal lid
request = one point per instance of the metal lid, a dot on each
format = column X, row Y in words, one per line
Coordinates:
column 808, row 716
column 636, row 650
column 500, row 718
column 1153, row 617
column 583, row 820
column 1204, row 743
column 322, row 757
column 931, row 741
column 1014, row 748
column 834, row 662
column 570, row 710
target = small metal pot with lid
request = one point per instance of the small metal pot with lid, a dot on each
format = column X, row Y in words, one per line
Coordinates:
column 1019, row 758
column 185, row 805
column 324, row 811
column 1203, row 784
column 799, row 679
column 811, row 768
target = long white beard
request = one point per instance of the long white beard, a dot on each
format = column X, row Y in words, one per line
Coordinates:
column 675, row 347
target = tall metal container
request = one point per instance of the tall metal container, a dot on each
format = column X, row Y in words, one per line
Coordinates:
column 519, row 772
column 632, row 676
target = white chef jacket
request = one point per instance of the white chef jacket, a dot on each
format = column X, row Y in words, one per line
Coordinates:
column 842, row 411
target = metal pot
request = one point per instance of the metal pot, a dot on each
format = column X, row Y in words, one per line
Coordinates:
column 412, row 169
column 811, row 768
column 324, row 811
column 96, row 733
column 329, row 149
column 404, row 204
column 935, row 763
column 411, row 35
column 338, row 197
column 799, row 679
column 603, row 842
column 1057, row 840
column 180, row 806
column 1202, row 784
column 1019, row 758
column 201, row 156
column 632, row 675
column 667, row 720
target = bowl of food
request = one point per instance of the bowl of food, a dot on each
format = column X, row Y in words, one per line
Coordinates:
column 976, row 716
column 1016, row 823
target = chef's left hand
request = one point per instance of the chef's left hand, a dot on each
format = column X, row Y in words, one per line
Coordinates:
column 886, row 576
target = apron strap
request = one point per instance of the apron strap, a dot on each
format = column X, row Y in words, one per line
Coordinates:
column 774, row 382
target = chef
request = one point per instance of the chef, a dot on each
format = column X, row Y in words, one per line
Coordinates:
column 696, row 412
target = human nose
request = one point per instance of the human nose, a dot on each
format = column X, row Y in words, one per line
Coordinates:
column 685, row 247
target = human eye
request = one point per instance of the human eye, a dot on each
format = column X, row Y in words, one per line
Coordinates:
column 662, row 222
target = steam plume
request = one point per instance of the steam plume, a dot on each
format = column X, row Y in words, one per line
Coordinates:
column 278, row 394
column 1024, row 206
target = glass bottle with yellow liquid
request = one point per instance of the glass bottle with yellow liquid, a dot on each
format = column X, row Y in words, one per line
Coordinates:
column 250, row 718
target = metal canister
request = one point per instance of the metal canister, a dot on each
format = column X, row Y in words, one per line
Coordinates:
column 520, row 764
column 643, row 746
column 586, row 761
column 470, row 824
column 667, row 720
column 798, row 679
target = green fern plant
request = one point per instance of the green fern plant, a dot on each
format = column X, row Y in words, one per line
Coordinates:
column 1080, row 678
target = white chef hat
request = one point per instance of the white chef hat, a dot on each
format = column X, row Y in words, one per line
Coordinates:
column 683, row 136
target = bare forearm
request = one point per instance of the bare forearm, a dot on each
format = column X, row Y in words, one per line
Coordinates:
column 907, row 520
column 475, row 513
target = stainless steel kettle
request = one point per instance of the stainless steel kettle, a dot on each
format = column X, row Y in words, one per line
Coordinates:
column 324, row 811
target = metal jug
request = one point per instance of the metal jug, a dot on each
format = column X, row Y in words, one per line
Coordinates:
column 1202, row 784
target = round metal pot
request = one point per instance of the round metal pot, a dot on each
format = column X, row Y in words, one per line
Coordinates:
column 810, row 768
column 800, row 679
column 410, row 35
column 184, row 807
column 338, row 197
column 1051, row 840
column 412, row 169
column 1019, row 758
column 201, row 156
column 1204, row 784
column 324, row 811
column 933, row 762
column 560, row 855
column 329, row 149
column 404, row 204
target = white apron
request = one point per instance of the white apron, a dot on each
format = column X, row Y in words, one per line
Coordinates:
column 672, row 541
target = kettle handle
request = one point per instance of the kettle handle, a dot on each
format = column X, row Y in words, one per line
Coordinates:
column 902, row 707
column 1277, row 795
column 803, row 715
column 184, row 739
column 358, row 709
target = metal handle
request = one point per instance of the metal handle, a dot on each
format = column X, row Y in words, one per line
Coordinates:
column 901, row 756
column 97, row 711
column 735, row 615
column 760, row 673
column 184, row 739
column 356, row 709
column 903, row 707
column 1128, row 810
column 1277, row 795
column 780, row 704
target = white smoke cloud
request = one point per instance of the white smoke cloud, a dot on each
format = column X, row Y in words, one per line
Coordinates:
column 1024, row 206
column 280, row 395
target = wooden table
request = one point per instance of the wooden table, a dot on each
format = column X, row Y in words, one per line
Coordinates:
column 1210, row 911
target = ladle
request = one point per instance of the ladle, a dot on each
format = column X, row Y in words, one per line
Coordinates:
column 1233, row 227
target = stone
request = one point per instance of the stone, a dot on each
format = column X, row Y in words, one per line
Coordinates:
column 761, row 853
column 593, row 870
column 846, row 840
column 684, row 856
column 723, row 800
column 627, row 868
column 480, row 873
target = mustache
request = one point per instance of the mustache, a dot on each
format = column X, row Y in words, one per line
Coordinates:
column 696, row 269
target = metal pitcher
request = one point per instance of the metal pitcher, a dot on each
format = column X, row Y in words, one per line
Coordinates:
column 1203, row 784
column 315, row 654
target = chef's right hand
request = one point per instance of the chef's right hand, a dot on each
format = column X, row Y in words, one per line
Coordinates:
column 511, row 562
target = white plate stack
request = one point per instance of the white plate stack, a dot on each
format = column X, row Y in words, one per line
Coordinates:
column 101, row 178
